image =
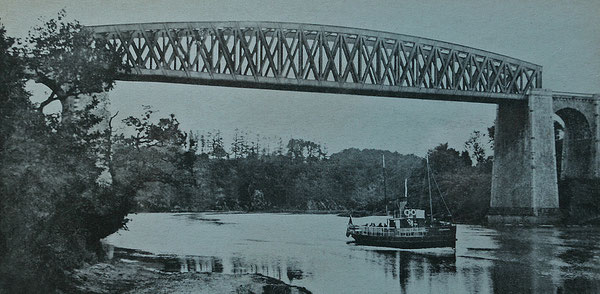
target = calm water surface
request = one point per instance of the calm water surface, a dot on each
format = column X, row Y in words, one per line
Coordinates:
column 312, row 251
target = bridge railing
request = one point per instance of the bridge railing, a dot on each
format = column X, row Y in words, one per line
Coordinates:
column 566, row 95
column 316, row 58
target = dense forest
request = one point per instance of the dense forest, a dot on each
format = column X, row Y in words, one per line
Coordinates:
column 68, row 180
column 174, row 170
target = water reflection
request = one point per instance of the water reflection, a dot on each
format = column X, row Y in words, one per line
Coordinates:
column 311, row 251
column 395, row 262
column 546, row 260
column 170, row 263
column 200, row 264
column 289, row 271
column 407, row 267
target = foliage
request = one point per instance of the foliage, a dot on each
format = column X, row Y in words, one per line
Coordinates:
column 53, row 209
column 445, row 159
column 467, row 194
column 299, row 149
column 67, row 58
column 216, row 145
column 476, row 146
column 179, row 177
column 164, row 133
column 303, row 178
column 13, row 99
column 12, row 86
column 153, row 163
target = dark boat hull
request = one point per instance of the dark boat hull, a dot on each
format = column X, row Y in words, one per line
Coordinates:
column 433, row 239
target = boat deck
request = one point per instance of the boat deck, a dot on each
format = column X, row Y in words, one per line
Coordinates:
column 390, row 232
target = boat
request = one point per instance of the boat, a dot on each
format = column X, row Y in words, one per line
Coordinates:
column 406, row 228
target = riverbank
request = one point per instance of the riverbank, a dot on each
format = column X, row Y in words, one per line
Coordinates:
column 290, row 211
column 125, row 276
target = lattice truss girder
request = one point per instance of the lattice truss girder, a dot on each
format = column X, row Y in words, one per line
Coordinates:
column 301, row 53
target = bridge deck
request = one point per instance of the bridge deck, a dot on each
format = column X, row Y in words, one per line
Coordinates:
column 317, row 58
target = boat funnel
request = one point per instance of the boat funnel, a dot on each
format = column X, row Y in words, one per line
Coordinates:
column 403, row 200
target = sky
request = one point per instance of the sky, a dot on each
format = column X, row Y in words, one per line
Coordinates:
column 562, row 36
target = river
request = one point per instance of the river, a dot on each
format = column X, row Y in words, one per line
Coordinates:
column 312, row 251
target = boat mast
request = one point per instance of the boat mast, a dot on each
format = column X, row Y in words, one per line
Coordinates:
column 429, row 182
column 384, row 185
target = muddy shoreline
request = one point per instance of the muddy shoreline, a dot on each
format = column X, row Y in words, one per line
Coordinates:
column 126, row 276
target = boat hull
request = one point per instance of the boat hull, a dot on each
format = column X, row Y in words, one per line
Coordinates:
column 432, row 239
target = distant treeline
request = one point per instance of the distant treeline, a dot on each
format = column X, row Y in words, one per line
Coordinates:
column 173, row 170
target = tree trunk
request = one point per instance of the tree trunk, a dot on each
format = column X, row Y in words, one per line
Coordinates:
column 69, row 105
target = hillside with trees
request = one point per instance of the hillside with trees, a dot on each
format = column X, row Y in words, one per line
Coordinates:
column 174, row 170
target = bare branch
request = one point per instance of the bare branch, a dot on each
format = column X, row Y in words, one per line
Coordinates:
column 50, row 99
column 40, row 77
column 110, row 122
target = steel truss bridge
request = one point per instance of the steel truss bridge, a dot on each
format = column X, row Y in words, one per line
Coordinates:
column 317, row 58
column 330, row 59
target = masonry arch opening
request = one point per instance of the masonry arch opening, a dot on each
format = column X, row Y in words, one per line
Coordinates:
column 573, row 139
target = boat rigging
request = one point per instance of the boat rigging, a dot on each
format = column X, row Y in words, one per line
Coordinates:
column 407, row 228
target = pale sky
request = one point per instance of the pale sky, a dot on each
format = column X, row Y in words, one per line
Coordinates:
column 562, row 36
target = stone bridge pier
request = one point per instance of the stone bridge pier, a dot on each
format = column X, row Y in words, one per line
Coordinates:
column 525, row 178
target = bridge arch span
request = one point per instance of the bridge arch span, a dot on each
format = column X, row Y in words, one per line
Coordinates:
column 574, row 149
column 581, row 115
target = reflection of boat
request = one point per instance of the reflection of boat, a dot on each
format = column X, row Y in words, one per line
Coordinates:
column 406, row 228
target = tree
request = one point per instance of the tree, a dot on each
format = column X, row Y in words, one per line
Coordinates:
column 466, row 157
column 53, row 212
column 13, row 97
column 141, row 127
column 295, row 149
column 445, row 159
column 216, row 145
column 313, row 150
column 13, row 101
column 238, row 145
column 475, row 147
column 299, row 149
column 155, row 161
column 67, row 58
column 491, row 132
column 164, row 133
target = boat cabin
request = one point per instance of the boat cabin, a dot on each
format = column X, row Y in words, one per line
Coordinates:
column 408, row 218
